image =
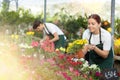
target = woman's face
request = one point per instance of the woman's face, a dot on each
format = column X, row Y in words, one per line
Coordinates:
column 93, row 26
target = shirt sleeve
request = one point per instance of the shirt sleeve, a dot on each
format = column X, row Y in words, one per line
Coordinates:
column 107, row 41
column 86, row 35
column 52, row 28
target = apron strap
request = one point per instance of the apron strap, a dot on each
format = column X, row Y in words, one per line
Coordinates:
column 90, row 38
column 100, row 36
column 47, row 30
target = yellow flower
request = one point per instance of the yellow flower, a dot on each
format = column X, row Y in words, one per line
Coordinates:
column 117, row 42
column 117, row 47
column 56, row 49
column 62, row 49
column 109, row 29
column 30, row 33
column 76, row 45
column 70, row 44
column 14, row 36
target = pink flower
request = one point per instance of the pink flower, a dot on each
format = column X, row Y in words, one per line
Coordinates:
column 71, row 69
column 59, row 72
column 35, row 43
column 64, row 74
column 51, row 61
column 47, row 46
column 76, row 72
column 68, row 78
column 42, row 62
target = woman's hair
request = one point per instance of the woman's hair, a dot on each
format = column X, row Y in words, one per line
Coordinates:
column 36, row 24
column 96, row 17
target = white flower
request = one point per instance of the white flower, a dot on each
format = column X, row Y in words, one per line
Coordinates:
column 82, row 59
column 93, row 66
column 85, row 64
column 75, row 59
column 24, row 45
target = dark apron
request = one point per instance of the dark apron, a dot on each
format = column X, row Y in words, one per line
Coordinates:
column 61, row 42
column 103, row 63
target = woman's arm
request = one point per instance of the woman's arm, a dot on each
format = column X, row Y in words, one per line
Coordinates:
column 85, row 49
column 102, row 53
column 56, row 37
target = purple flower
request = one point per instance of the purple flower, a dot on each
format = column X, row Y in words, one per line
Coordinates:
column 98, row 74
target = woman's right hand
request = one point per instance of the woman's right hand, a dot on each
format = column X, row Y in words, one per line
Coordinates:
column 91, row 47
column 88, row 47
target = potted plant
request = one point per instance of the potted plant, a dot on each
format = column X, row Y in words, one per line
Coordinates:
column 117, row 47
column 75, row 47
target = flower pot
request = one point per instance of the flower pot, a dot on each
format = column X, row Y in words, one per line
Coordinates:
column 70, row 56
column 79, row 54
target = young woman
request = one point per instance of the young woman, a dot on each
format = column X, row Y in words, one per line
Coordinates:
column 99, row 50
column 51, row 29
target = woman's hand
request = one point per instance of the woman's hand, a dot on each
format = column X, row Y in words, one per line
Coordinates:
column 90, row 47
column 102, row 53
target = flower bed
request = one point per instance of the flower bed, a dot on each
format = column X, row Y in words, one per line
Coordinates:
column 43, row 64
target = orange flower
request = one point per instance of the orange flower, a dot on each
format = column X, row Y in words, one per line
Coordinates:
column 105, row 23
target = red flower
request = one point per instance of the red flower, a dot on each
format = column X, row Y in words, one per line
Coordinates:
column 62, row 66
column 66, row 76
column 79, row 63
column 118, row 74
column 61, row 56
column 90, row 78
